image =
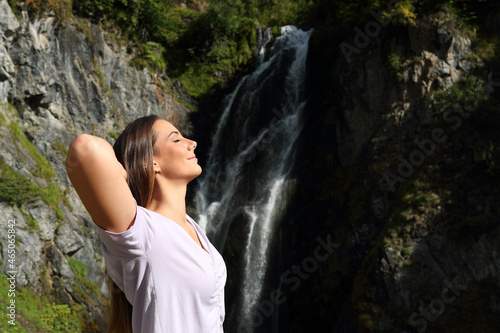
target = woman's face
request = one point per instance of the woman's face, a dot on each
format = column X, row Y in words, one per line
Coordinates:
column 175, row 158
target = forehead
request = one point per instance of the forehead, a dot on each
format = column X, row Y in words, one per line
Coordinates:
column 163, row 127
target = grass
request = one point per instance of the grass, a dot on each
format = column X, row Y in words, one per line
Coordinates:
column 113, row 134
column 57, row 145
column 45, row 170
column 16, row 189
column 80, row 271
column 102, row 81
column 32, row 222
column 36, row 313
column 51, row 195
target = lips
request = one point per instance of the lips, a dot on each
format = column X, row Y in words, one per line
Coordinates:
column 192, row 157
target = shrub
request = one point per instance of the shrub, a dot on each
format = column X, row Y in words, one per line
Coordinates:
column 403, row 13
column 38, row 313
column 60, row 319
column 466, row 95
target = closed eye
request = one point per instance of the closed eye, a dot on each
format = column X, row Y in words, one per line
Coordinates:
column 174, row 133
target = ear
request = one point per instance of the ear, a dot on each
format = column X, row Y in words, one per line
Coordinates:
column 156, row 166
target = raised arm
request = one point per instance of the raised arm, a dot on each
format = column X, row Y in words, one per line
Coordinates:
column 100, row 181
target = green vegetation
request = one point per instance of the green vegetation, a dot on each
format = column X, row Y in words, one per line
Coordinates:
column 99, row 75
column 465, row 96
column 17, row 189
column 35, row 313
column 113, row 134
column 61, row 8
column 200, row 45
column 396, row 65
column 44, row 170
column 60, row 318
column 203, row 43
column 81, row 280
column 60, row 147
column 403, row 13
column 101, row 79
column 32, row 222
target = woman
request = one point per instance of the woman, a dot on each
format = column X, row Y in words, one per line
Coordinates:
column 171, row 277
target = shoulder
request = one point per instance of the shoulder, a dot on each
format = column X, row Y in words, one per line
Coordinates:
column 137, row 239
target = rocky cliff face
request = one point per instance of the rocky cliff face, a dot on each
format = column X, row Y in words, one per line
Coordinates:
column 395, row 168
column 57, row 81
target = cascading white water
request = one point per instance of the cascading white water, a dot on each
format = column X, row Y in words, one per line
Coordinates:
column 250, row 159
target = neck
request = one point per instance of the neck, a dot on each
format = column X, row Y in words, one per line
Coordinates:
column 169, row 200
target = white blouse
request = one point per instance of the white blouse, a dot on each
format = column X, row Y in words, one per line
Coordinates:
column 173, row 284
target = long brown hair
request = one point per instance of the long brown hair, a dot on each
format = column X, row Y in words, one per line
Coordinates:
column 134, row 149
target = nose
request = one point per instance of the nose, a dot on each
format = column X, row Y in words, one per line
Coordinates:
column 192, row 145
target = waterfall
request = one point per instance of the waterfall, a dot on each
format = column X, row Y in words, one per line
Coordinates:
column 247, row 173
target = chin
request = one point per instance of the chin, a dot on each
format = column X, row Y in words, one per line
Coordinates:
column 196, row 174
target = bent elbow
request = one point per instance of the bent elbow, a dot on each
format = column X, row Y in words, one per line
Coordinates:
column 80, row 148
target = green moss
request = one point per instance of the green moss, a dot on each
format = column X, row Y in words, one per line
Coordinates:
column 60, row 147
column 99, row 75
column 80, row 271
column 66, row 200
column 52, row 194
column 85, row 232
column 45, row 170
column 32, row 222
column 16, row 189
column 113, row 134
column 84, row 27
column 78, row 267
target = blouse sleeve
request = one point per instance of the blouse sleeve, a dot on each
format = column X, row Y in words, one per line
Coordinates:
column 135, row 241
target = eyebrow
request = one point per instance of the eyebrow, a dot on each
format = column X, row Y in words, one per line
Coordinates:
column 173, row 132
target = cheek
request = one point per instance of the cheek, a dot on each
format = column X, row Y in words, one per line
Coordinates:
column 167, row 154
column 171, row 158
